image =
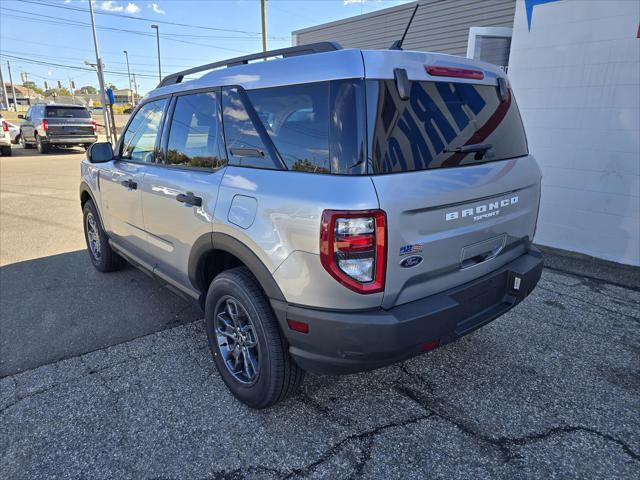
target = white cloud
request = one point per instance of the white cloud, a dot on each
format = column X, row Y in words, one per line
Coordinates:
column 156, row 8
column 351, row 2
column 132, row 8
column 111, row 6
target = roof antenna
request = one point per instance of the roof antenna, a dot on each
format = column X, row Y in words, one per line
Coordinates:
column 397, row 45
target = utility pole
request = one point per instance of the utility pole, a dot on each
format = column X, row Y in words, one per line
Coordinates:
column 263, row 8
column 24, row 76
column 157, row 29
column 103, row 97
column 13, row 89
column 129, row 77
column 72, row 87
column 135, row 86
column 5, row 97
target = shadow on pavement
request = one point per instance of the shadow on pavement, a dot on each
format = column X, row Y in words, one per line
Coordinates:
column 59, row 306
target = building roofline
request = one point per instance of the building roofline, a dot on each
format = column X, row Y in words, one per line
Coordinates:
column 355, row 18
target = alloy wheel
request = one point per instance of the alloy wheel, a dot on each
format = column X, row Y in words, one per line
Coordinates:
column 93, row 237
column 237, row 340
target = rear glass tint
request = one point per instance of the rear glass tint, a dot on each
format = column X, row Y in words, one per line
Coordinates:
column 424, row 131
column 67, row 112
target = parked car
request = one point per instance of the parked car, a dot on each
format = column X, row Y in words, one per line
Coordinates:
column 47, row 125
column 332, row 211
column 14, row 132
column 5, row 137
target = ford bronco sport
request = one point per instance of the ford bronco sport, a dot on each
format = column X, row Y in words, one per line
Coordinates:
column 333, row 210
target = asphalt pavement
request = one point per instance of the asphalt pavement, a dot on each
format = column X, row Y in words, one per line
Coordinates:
column 549, row 390
column 53, row 303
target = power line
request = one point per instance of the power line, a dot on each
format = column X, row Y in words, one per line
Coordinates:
column 146, row 19
column 73, row 23
column 71, row 67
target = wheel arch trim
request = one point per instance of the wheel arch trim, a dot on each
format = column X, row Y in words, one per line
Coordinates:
column 221, row 241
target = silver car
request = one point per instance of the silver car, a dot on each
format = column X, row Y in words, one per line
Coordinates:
column 332, row 211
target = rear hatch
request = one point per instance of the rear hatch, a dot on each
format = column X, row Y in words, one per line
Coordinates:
column 69, row 121
column 452, row 215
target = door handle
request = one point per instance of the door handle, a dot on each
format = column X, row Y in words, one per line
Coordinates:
column 189, row 198
column 129, row 184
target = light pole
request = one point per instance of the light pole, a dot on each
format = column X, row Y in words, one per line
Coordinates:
column 103, row 97
column 157, row 29
column 129, row 75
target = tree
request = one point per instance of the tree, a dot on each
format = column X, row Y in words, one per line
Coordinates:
column 88, row 90
column 32, row 86
column 58, row 92
column 111, row 85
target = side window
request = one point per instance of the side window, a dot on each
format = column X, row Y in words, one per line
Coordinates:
column 29, row 112
column 297, row 120
column 195, row 136
column 139, row 141
column 244, row 144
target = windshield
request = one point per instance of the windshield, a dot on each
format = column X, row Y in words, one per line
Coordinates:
column 67, row 112
column 441, row 124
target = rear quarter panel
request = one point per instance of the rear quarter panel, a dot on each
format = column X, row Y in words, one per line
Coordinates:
column 284, row 230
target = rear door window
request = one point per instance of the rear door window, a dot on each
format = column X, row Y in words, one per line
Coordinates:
column 195, row 134
column 424, row 131
column 67, row 112
column 246, row 147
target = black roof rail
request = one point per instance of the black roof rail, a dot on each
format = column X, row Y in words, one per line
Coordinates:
column 233, row 62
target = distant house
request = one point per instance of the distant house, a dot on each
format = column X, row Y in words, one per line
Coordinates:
column 24, row 96
column 123, row 96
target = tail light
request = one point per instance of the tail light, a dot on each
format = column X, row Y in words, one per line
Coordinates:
column 94, row 125
column 5, row 126
column 353, row 248
column 45, row 125
column 454, row 72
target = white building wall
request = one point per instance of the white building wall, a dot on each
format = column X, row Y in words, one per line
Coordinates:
column 576, row 77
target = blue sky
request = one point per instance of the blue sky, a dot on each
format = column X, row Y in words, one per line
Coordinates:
column 56, row 32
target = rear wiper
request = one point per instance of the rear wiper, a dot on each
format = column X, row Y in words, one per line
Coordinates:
column 479, row 148
column 474, row 147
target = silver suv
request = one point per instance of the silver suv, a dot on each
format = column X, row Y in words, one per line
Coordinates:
column 332, row 211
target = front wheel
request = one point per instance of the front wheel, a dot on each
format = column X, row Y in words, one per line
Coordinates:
column 5, row 150
column 23, row 143
column 248, row 348
column 103, row 257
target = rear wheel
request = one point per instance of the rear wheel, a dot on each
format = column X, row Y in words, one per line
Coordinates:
column 42, row 147
column 248, row 348
column 103, row 257
column 5, row 150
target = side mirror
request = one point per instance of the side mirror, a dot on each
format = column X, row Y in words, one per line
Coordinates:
column 100, row 152
column 21, row 116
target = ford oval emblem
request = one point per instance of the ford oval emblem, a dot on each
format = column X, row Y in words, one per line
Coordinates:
column 411, row 261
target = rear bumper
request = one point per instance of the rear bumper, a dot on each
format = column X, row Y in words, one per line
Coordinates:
column 70, row 139
column 346, row 342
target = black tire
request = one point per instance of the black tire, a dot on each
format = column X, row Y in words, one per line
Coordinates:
column 278, row 376
column 5, row 150
column 105, row 259
column 23, row 143
column 41, row 146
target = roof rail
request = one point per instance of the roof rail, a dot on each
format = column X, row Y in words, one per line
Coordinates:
column 233, row 62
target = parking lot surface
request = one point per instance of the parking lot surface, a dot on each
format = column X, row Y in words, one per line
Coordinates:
column 549, row 390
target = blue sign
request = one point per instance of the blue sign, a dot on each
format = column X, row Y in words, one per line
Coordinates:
column 528, row 6
column 110, row 96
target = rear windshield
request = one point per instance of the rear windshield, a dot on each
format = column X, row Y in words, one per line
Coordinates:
column 67, row 112
column 424, row 131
